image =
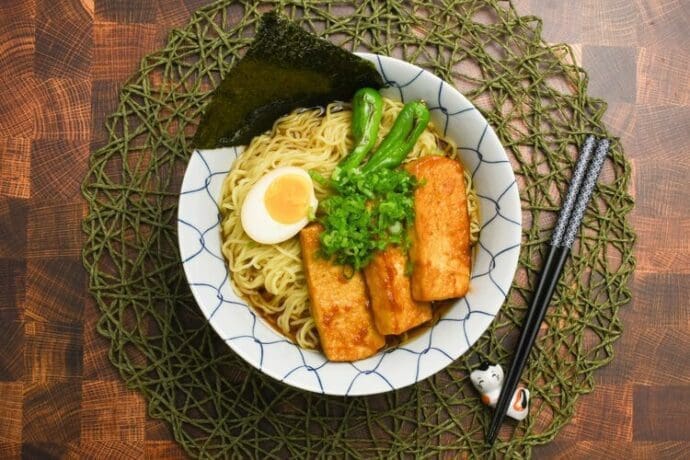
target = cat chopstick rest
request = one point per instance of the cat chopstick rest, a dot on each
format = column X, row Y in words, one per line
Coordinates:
column 488, row 380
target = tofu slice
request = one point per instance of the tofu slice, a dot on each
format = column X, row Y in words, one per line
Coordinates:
column 340, row 306
column 394, row 309
column 440, row 252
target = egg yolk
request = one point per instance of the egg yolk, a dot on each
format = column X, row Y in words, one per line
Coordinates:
column 287, row 198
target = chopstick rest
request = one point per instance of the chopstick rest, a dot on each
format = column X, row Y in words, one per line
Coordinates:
column 487, row 379
column 578, row 196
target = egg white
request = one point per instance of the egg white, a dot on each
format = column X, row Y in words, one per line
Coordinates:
column 256, row 220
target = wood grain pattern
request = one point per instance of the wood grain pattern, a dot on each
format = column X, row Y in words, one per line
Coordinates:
column 665, row 413
column 51, row 412
column 65, row 109
column 53, row 229
column 15, row 160
column 614, row 420
column 52, row 351
column 120, row 47
column 12, row 354
column 10, row 449
column 63, row 62
column 52, row 163
column 12, row 295
column 11, row 398
column 121, row 11
column 13, row 213
column 96, row 366
column 17, row 39
column 47, row 450
column 64, row 46
column 103, row 421
column 55, row 290
column 18, row 105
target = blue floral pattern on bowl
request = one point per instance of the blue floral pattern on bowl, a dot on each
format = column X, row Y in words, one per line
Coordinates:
column 495, row 258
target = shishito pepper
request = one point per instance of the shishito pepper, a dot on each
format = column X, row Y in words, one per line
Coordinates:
column 367, row 110
column 408, row 126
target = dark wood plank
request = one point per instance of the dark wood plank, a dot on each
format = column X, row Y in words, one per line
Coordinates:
column 47, row 238
column 661, row 413
column 673, row 255
column 65, row 110
column 13, row 294
column 567, row 450
column 12, row 351
column 578, row 450
column 660, row 355
column 17, row 39
column 157, row 430
column 55, row 290
column 96, row 450
column 13, row 221
column 10, row 449
column 97, row 366
column 660, row 139
column 44, row 450
column 666, row 75
column 163, row 449
column 660, row 449
column 104, row 96
column 51, row 415
column 19, row 105
column 663, row 186
column 11, row 397
column 176, row 12
column 662, row 296
column 118, row 48
column 616, row 68
column 121, row 11
column 610, row 23
column 64, row 40
column 15, row 167
column 53, row 351
column 662, row 23
column 612, row 406
column 58, row 168
column 104, row 420
column 620, row 118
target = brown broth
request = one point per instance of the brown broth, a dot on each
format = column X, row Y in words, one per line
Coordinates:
column 270, row 319
column 439, row 309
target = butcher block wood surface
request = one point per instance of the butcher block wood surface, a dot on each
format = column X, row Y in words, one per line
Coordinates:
column 62, row 63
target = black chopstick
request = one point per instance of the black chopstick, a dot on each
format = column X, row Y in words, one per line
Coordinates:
column 579, row 193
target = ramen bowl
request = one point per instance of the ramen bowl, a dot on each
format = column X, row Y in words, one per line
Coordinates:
column 494, row 261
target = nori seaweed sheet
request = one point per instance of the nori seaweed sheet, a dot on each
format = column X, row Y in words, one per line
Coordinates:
column 284, row 68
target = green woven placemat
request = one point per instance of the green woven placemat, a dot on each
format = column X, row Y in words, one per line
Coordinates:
column 534, row 97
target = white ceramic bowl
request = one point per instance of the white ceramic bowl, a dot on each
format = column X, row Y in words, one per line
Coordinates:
column 493, row 270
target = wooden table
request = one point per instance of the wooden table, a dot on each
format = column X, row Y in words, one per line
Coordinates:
column 61, row 64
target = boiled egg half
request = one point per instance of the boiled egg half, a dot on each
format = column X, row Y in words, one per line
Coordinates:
column 278, row 206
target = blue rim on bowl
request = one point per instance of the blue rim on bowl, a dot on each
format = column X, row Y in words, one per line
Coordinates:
column 494, row 264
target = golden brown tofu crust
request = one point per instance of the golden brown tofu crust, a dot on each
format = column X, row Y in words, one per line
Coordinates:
column 440, row 252
column 395, row 311
column 340, row 306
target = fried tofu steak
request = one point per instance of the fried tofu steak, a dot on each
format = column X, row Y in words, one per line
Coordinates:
column 440, row 252
column 394, row 309
column 340, row 306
